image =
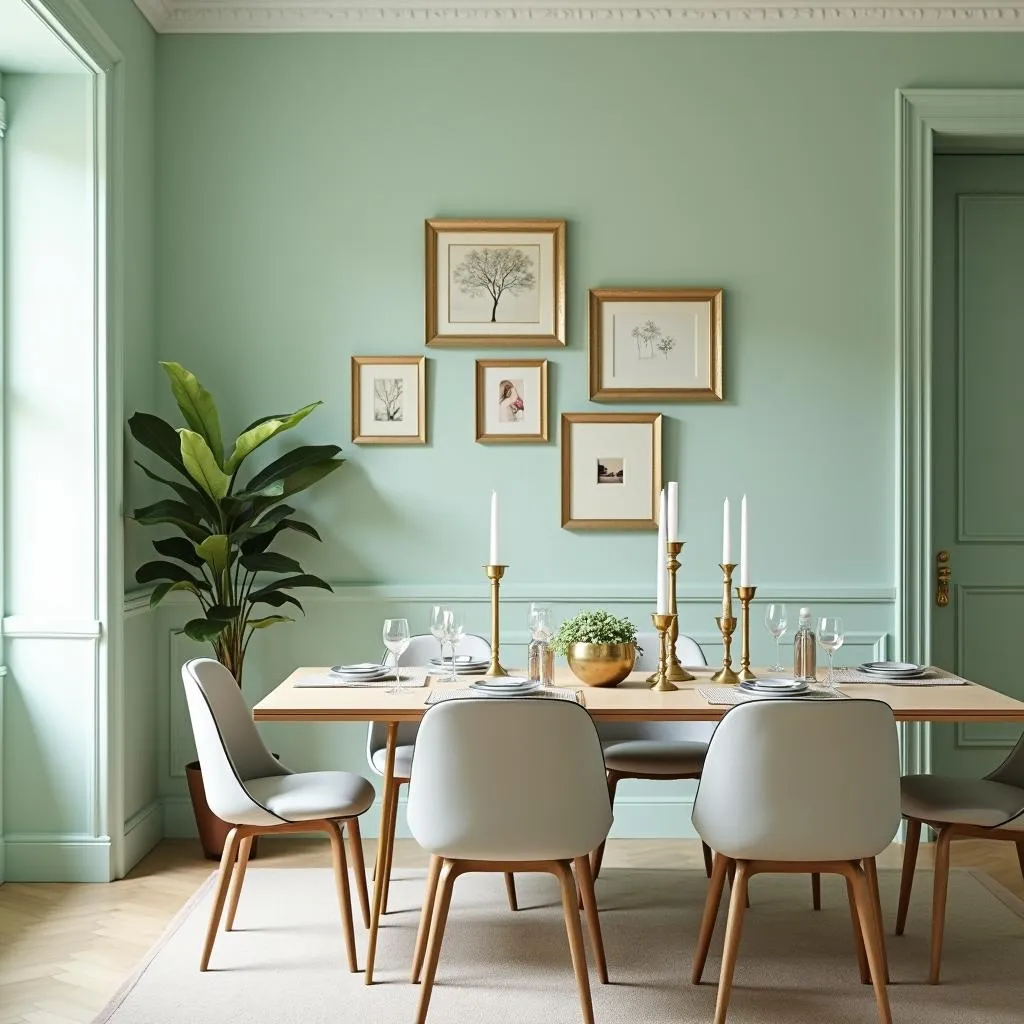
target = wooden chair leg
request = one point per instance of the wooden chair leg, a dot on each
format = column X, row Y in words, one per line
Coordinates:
column 707, row 923
column 907, row 877
column 708, row 860
column 244, row 849
column 510, row 889
column 733, row 929
column 429, row 897
column 440, row 918
column 227, row 864
column 392, row 831
column 872, row 940
column 1020, row 857
column 732, row 878
column 939, row 901
column 871, row 873
column 575, row 933
column 333, row 830
column 355, row 852
column 382, row 848
column 597, row 857
column 858, row 936
column 586, row 885
column 816, row 890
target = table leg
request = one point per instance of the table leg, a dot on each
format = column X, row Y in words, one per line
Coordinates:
column 383, row 848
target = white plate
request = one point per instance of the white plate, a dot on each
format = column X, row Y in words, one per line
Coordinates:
column 461, row 659
column 893, row 669
column 504, row 682
column 788, row 688
column 775, row 684
column 520, row 691
column 353, row 672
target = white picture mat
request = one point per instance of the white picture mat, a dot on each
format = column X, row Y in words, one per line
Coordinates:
column 544, row 273
column 409, row 425
column 686, row 365
column 634, row 497
column 531, row 421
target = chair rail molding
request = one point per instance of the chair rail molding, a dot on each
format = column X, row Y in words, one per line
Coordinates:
column 578, row 16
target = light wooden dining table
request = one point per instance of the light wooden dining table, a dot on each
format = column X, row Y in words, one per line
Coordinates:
column 299, row 699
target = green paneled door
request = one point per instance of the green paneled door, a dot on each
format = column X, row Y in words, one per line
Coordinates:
column 978, row 427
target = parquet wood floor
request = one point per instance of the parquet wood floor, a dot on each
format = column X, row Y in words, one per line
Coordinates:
column 65, row 949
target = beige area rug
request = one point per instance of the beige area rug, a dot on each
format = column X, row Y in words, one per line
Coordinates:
column 286, row 964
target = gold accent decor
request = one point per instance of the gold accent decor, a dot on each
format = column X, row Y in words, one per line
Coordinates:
column 482, row 366
column 663, row 624
column 745, row 595
column 494, row 574
column 942, row 573
column 727, row 626
column 675, row 670
column 359, row 436
column 601, row 664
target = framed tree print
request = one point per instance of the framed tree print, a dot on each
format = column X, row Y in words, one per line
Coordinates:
column 611, row 470
column 511, row 401
column 495, row 282
column 656, row 344
column 389, row 400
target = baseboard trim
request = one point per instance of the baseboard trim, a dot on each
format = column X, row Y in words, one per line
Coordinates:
column 33, row 857
column 142, row 831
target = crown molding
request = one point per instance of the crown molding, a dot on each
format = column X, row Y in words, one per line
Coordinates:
column 260, row 16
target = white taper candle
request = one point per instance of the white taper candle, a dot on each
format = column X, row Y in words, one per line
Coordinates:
column 726, row 536
column 662, row 586
column 494, row 528
column 673, row 511
column 744, row 566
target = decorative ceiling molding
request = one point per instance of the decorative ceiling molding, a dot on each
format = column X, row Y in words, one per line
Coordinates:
column 579, row 16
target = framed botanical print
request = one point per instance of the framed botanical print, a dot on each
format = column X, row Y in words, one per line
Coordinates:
column 611, row 470
column 389, row 400
column 511, row 400
column 656, row 344
column 495, row 282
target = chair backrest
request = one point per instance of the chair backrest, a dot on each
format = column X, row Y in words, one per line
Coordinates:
column 229, row 747
column 508, row 779
column 799, row 780
column 1011, row 771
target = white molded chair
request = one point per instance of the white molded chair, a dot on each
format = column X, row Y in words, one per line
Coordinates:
column 248, row 787
column 509, row 785
column 421, row 649
column 655, row 750
column 988, row 808
column 797, row 786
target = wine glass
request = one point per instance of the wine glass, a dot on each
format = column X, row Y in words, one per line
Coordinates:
column 454, row 631
column 396, row 639
column 775, row 622
column 831, row 637
column 437, row 629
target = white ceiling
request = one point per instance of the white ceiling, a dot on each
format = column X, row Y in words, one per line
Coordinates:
column 28, row 45
column 580, row 15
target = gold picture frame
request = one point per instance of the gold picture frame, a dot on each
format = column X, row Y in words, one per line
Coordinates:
column 592, row 475
column 640, row 347
column 389, row 409
column 497, row 283
column 512, row 401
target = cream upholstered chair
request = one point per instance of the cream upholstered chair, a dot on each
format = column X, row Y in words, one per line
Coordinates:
column 508, row 785
column 421, row 649
column 248, row 787
column 655, row 750
column 797, row 786
column 988, row 808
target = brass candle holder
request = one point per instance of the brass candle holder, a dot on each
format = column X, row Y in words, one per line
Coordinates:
column 675, row 671
column 746, row 595
column 494, row 574
column 663, row 624
column 727, row 626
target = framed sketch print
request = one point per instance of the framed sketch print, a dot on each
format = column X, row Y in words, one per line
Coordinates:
column 495, row 282
column 611, row 470
column 656, row 344
column 389, row 403
column 511, row 400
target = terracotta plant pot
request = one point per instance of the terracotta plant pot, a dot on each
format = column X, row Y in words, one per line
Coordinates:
column 213, row 831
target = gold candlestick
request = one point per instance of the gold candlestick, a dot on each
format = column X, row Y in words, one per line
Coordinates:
column 746, row 595
column 494, row 574
column 676, row 672
column 663, row 624
column 727, row 626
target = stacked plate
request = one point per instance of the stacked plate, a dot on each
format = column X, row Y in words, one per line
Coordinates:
column 363, row 672
column 892, row 669
column 506, row 686
column 464, row 665
column 774, row 687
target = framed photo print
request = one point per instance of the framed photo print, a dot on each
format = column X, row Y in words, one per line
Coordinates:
column 656, row 344
column 511, row 400
column 389, row 400
column 611, row 470
column 495, row 282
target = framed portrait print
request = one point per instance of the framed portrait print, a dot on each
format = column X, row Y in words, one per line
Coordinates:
column 495, row 282
column 389, row 400
column 511, row 400
column 611, row 470
column 656, row 344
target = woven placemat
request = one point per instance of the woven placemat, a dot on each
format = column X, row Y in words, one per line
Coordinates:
column 328, row 679
column 933, row 677
column 731, row 695
column 552, row 693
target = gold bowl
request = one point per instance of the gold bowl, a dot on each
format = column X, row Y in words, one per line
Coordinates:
column 601, row 664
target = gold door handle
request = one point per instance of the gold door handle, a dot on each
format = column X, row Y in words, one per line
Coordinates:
column 942, row 575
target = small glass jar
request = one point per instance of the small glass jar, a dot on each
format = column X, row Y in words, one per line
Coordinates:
column 541, row 662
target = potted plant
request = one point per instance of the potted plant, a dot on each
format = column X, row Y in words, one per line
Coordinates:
column 225, row 519
column 599, row 647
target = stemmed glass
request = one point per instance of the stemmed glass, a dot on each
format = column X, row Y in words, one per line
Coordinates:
column 775, row 622
column 454, row 631
column 396, row 639
column 437, row 628
column 831, row 637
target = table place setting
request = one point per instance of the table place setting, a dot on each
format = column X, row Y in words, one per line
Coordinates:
column 361, row 674
column 899, row 673
column 769, row 689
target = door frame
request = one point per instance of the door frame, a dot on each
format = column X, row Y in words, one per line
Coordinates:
column 922, row 117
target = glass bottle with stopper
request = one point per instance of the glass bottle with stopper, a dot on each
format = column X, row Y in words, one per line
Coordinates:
column 540, row 656
column 805, row 649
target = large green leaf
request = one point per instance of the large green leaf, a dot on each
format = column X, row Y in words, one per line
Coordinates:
column 254, row 545
column 159, row 570
column 265, row 524
column 195, row 497
column 173, row 513
column 290, row 462
column 276, row 599
column 223, row 612
column 179, row 548
column 202, row 465
column 300, row 481
column 204, row 629
column 215, row 550
column 251, row 438
column 268, row 620
column 159, row 437
column 270, row 562
column 197, row 406
column 290, row 583
column 161, row 590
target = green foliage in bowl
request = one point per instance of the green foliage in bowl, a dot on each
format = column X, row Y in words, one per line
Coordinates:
column 593, row 628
